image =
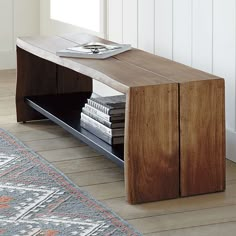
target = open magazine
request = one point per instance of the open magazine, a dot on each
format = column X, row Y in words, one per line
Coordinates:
column 94, row 50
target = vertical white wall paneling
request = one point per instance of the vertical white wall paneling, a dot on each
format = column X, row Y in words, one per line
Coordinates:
column 182, row 31
column 17, row 18
column 163, row 28
column 114, row 33
column 6, row 25
column 202, row 35
column 26, row 17
column 224, row 52
column 115, row 15
column 146, row 26
column 130, row 22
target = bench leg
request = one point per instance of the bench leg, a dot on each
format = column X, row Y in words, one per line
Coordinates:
column 152, row 143
column 202, row 137
column 36, row 76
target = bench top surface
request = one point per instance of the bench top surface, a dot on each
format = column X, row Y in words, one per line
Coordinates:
column 134, row 68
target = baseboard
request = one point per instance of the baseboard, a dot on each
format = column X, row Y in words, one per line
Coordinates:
column 231, row 145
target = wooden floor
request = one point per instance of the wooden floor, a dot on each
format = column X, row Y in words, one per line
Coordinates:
column 206, row 215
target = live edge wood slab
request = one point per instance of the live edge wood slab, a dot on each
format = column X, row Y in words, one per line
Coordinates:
column 175, row 115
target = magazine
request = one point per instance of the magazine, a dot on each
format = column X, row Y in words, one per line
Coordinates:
column 94, row 50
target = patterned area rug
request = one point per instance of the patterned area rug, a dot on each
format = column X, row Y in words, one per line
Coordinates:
column 37, row 199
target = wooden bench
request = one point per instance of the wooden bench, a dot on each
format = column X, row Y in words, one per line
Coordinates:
column 175, row 115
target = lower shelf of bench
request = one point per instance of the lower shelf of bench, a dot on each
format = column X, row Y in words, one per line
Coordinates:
column 65, row 110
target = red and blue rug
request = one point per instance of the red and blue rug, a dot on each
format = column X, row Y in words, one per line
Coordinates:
column 37, row 199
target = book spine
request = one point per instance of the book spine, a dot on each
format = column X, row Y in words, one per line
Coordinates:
column 99, row 106
column 96, row 132
column 97, row 118
column 97, row 112
column 96, row 124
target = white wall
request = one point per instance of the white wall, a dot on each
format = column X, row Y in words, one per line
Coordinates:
column 17, row 18
column 53, row 27
column 198, row 33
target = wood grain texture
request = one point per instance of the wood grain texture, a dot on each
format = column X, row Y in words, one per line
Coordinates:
column 202, row 137
column 105, row 175
column 186, row 219
column 116, row 74
column 53, row 143
column 175, row 206
column 152, row 144
column 106, row 191
column 166, row 68
column 34, row 77
column 70, row 153
column 69, row 81
column 225, row 228
column 170, row 70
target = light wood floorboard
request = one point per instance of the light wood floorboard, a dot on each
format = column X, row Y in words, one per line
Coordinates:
column 102, row 176
column 173, row 206
column 205, row 215
column 68, row 153
column 219, row 229
column 54, row 143
column 72, row 167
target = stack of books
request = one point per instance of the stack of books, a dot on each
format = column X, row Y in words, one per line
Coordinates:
column 105, row 118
